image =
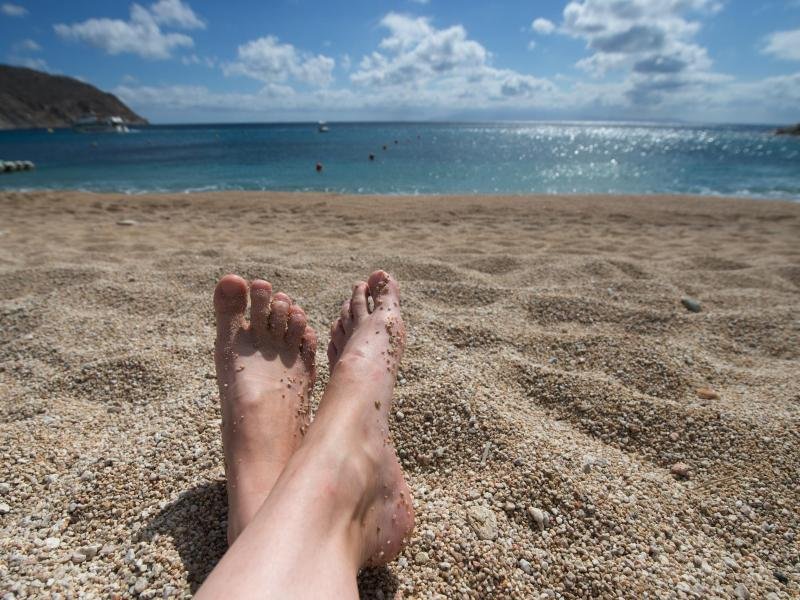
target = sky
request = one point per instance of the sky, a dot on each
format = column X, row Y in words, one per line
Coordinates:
column 176, row 61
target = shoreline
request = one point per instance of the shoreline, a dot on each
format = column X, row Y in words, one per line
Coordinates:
column 403, row 195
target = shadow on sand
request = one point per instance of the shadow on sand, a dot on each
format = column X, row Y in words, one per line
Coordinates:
column 196, row 523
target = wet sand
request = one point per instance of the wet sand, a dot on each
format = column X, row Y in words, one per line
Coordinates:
column 547, row 412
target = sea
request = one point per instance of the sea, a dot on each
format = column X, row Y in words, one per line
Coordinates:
column 414, row 158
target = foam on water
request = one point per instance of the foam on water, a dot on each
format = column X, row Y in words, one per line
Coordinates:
column 430, row 158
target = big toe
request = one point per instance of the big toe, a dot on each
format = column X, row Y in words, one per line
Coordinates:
column 230, row 303
column 384, row 289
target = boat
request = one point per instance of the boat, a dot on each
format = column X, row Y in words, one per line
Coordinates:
column 322, row 127
column 95, row 124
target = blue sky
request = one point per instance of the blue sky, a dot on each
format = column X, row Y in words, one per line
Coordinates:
column 179, row 61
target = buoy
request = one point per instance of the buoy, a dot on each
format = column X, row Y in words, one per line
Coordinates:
column 319, row 167
column 49, row 130
column 372, row 157
column 396, row 142
column 384, row 147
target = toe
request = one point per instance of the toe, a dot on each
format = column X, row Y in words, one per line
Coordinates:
column 384, row 289
column 260, row 296
column 230, row 302
column 296, row 327
column 346, row 317
column 279, row 314
column 358, row 303
column 338, row 336
column 333, row 355
column 308, row 349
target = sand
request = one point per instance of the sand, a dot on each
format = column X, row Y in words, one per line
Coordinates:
column 547, row 412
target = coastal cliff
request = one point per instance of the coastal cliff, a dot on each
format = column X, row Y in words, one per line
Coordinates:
column 790, row 130
column 31, row 98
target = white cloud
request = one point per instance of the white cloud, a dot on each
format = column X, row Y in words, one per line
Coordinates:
column 652, row 41
column 176, row 14
column 543, row 26
column 27, row 46
column 267, row 59
column 345, row 62
column 30, row 62
column 13, row 10
column 206, row 61
column 783, row 44
column 141, row 34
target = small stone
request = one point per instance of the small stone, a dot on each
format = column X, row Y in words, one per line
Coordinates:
column 706, row 393
column 87, row 476
column 107, row 549
column 525, row 565
column 4, row 508
column 140, row 585
column 680, row 470
column 473, row 494
column 540, row 517
column 400, row 415
column 50, row 479
column 402, row 562
column 741, row 591
column 483, row 522
column 691, row 304
column 730, row 563
column 674, row 436
column 439, row 452
column 781, row 576
column 4, row 488
column 444, row 566
column 517, row 462
column 421, row 558
column 510, row 507
column 78, row 557
column 52, row 543
column 127, row 222
column 90, row 551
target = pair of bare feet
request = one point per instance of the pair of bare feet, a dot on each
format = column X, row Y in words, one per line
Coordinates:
column 266, row 372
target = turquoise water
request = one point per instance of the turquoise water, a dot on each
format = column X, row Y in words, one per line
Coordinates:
column 428, row 158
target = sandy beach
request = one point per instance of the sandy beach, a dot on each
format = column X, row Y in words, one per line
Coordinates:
column 547, row 413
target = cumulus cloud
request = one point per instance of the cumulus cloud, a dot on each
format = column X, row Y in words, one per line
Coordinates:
column 419, row 63
column 141, row 34
column 13, row 10
column 176, row 14
column 783, row 44
column 543, row 26
column 652, row 41
column 267, row 59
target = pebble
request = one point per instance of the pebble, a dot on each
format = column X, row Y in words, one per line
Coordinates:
column 87, row 476
column 140, row 585
column 4, row 508
column 127, row 222
column 741, row 591
column 525, row 565
column 540, row 517
column 78, row 557
column 421, row 558
column 680, row 470
column 706, row 393
column 52, row 543
column 4, row 488
column 444, row 566
column 691, row 304
column 483, row 522
column 781, row 576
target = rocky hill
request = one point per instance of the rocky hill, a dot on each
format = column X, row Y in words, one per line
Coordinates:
column 790, row 130
column 31, row 98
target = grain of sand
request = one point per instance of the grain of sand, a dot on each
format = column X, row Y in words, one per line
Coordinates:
column 547, row 413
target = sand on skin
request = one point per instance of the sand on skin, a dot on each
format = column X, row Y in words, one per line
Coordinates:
column 548, row 386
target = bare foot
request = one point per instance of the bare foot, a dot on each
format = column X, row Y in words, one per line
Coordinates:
column 265, row 372
column 366, row 346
